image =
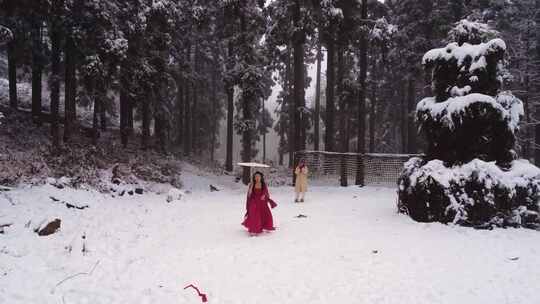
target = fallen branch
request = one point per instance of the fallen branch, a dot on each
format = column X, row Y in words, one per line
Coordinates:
column 75, row 275
column 68, row 205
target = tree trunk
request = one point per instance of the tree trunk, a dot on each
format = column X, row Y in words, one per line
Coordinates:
column 125, row 100
column 411, row 144
column 180, row 109
column 103, row 109
column 187, row 107
column 159, row 93
column 361, row 140
column 396, row 121
column 195, row 141
column 146, row 123
column 195, row 146
column 291, row 137
column 247, row 113
column 372, row 119
column 95, row 121
column 12, row 73
column 342, row 117
column 330, row 102
column 160, row 121
column 284, row 133
column 11, row 54
column 527, row 145
column 214, row 121
column 230, row 117
column 537, row 137
column 247, row 134
column 37, row 70
column 299, row 90
column 404, row 117
column 55, row 82
column 537, row 127
column 187, row 121
column 229, row 86
column 159, row 130
column 70, row 88
column 290, row 106
column 316, row 119
column 130, row 108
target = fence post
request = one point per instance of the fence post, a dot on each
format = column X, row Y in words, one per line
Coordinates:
column 360, row 174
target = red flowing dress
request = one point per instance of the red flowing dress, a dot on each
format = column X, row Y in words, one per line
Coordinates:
column 258, row 216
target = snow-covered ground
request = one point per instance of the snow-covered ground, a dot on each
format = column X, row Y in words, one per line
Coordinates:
column 351, row 248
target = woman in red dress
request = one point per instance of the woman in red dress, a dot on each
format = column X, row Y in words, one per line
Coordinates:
column 258, row 215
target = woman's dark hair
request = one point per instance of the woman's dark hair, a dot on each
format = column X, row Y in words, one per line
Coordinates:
column 263, row 184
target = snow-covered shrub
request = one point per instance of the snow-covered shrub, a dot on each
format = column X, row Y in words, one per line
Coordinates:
column 470, row 175
column 475, row 193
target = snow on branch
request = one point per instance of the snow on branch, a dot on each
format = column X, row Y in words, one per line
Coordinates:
column 471, row 31
column 467, row 53
column 454, row 106
column 5, row 35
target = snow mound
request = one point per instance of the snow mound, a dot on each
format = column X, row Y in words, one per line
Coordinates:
column 175, row 194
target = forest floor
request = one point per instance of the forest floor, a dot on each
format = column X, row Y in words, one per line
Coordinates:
column 351, row 247
column 27, row 157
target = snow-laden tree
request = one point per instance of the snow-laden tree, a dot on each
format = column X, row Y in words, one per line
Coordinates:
column 249, row 73
column 289, row 43
column 518, row 28
column 94, row 45
column 383, row 114
column 470, row 174
column 421, row 26
column 14, row 18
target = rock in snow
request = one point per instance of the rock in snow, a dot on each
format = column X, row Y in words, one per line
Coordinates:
column 50, row 228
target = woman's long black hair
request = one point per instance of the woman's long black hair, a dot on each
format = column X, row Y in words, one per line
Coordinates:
column 263, row 183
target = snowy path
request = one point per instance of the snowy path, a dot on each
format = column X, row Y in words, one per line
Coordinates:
column 148, row 250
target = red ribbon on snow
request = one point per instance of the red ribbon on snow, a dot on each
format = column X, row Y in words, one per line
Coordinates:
column 202, row 295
